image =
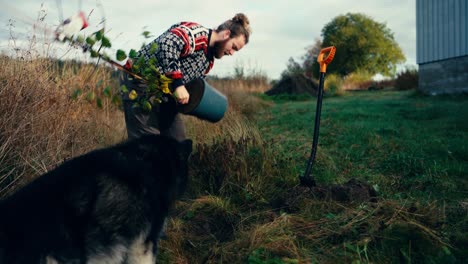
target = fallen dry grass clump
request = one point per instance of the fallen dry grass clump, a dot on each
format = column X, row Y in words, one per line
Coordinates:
column 49, row 113
column 212, row 230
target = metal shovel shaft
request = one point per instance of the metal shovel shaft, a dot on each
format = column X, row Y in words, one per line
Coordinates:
column 307, row 179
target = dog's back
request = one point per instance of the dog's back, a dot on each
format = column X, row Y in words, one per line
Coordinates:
column 107, row 205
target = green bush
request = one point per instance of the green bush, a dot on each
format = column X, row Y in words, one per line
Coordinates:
column 333, row 85
column 407, row 79
column 359, row 80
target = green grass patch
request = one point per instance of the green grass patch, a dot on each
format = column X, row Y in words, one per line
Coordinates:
column 409, row 145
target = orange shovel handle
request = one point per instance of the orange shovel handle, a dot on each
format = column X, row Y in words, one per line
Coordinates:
column 324, row 62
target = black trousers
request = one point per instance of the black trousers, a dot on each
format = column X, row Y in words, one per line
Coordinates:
column 163, row 119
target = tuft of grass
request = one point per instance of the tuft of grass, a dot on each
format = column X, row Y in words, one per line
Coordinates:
column 202, row 225
column 237, row 169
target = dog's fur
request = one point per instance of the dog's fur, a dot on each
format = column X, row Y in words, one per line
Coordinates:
column 107, row 206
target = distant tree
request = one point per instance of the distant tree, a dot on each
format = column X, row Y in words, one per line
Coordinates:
column 292, row 68
column 310, row 57
column 362, row 44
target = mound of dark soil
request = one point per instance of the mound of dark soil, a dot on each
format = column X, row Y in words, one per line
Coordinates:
column 294, row 84
column 352, row 191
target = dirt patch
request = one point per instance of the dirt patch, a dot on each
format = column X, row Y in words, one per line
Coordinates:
column 351, row 191
column 294, row 84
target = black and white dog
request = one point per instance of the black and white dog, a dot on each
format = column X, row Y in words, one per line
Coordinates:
column 107, row 206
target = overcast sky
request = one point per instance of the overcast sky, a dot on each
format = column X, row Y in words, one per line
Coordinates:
column 281, row 28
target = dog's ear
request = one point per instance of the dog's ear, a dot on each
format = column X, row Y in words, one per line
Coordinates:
column 185, row 149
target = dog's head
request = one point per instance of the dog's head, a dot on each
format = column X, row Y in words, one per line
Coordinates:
column 168, row 160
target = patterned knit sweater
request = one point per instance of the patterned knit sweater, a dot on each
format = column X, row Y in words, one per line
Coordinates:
column 182, row 53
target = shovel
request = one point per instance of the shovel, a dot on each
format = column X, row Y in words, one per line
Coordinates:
column 307, row 179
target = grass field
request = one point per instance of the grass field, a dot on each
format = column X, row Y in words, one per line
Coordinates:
column 244, row 203
column 409, row 145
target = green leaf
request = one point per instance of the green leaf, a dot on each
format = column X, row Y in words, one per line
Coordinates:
column 90, row 96
column 153, row 48
column 330, row 216
column 133, row 54
column 154, row 69
column 350, row 247
column 99, row 102
column 106, row 42
column 136, row 67
column 116, row 99
column 107, row 92
column 99, row 34
column 190, row 214
column 94, row 54
column 147, row 106
column 152, row 87
column 124, row 89
column 146, row 34
column 121, row 55
column 152, row 62
column 147, row 72
column 91, row 41
column 76, row 94
column 446, row 250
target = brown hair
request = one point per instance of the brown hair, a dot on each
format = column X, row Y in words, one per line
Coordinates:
column 238, row 25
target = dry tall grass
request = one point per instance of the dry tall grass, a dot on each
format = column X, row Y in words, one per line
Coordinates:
column 237, row 122
column 41, row 125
